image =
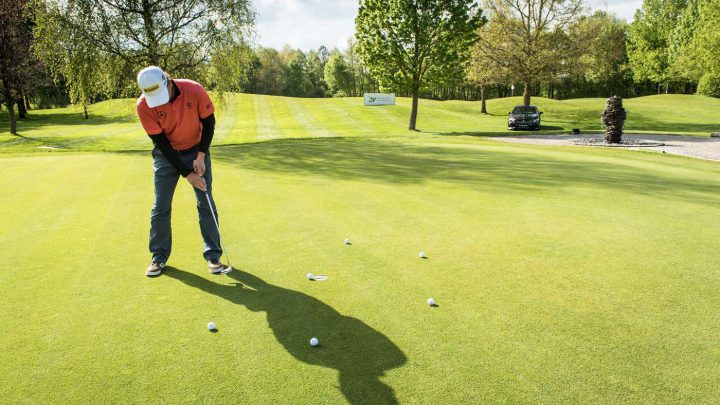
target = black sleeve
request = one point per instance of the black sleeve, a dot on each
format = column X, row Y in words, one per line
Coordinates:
column 208, row 130
column 161, row 142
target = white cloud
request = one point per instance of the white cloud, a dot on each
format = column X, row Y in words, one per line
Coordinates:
column 305, row 24
column 623, row 9
column 308, row 24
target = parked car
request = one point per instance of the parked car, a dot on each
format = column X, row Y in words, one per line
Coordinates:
column 524, row 117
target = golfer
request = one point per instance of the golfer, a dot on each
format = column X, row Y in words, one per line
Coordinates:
column 179, row 118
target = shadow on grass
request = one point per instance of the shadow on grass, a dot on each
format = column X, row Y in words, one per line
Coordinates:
column 544, row 130
column 494, row 169
column 36, row 120
column 359, row 353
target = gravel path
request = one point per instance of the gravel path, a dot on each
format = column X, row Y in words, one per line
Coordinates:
column 692, row 146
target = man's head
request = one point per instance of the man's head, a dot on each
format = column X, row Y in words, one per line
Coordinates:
column 155, row 85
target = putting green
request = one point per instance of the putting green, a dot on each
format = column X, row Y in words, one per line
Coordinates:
column 561, row 275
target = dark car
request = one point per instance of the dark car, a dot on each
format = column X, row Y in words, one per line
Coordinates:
column 524, row 117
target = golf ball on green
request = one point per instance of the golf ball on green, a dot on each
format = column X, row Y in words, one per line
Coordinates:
column 431, row 301
column 310, row 276
column 211, row 326
column 422, row 255
column 347, row 241
column 314, row 342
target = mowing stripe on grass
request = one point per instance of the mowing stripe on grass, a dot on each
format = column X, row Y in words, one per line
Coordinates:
column 310, row 125
column 266, row 121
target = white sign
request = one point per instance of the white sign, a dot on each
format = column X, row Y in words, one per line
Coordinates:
column 379, row 99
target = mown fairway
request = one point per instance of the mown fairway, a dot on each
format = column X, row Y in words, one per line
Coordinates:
column 562, row 274
column 252, row 118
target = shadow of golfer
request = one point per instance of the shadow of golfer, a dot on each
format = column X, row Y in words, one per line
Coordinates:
column 359, row 353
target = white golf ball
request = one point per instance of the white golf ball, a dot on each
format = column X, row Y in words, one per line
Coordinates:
column 422, row 255
column 211, row 326
column 347, row 241
column 310, row 276
column 314, row 342
column 431, row 301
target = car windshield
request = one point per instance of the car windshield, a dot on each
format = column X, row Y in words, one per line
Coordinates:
column 525, row 110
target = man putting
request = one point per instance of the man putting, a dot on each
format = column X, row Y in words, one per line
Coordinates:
column 178, row 116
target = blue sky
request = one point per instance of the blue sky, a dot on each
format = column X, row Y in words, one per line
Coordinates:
column 307, row 24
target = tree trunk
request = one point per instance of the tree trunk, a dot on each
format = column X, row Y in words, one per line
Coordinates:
column 483, row 109
column 526, row 94
column 27, row 103
column 85, row 111
column 414, row 111
column 11, row 111
column 22, row 112
column 152, row 42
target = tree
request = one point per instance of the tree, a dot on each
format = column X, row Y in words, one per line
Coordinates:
column 603, row 62
column 407, row 42
column 296, row 78
column 18, row 68
column 230, row 67
column 315, row 68
column 484, row 69
column 361, row 78
column 532, row 43
column 702, row 50
column 648, row 40
column 338, row 75
column 69, row 55
column 268, row 74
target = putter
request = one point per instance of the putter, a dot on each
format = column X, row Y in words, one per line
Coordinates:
column 212, row 211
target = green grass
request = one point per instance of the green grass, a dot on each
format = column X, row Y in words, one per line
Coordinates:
column 563, row 275
column 251, row 118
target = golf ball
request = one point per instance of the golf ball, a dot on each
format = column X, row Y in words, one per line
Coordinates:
column 431, row 301
column 314, row 342
column 422, row 255
column 310, row 276
column 347, row 241
column 211, row 326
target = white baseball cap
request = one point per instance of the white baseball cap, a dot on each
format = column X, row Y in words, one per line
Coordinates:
column 154, row 84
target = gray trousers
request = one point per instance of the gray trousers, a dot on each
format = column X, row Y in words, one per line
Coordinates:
column 166, row 179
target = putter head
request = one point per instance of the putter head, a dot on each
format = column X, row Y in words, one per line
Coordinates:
column 227, row 270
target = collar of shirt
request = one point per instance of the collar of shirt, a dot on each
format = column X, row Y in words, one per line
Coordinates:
column 176, row 91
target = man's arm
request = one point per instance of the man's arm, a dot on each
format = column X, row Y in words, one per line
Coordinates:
column 208, row 130
column 163, row 144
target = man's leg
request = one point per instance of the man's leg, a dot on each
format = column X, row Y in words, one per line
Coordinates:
column 166, row 178
column 211, row 237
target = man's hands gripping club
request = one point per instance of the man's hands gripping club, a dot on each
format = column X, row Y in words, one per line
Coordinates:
column 196, row 178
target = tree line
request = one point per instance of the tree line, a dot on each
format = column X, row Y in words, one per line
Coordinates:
column 84, row 51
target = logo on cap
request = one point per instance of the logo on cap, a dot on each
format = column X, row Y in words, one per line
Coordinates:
column 152, row 88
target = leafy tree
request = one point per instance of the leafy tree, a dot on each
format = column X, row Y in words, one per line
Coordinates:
column 648, row 40
column 703, row 49
column 69, row 55
column 296, row 78
column 683, row 63
column 229, row 68
column 361, row 78
column 710, row 85
column 532, row 44
column 485, row 69
column 179, row 35
column 338, row 75
column 603, row 61
column 315, row 68
column 268, row 73
column 405, row 43
column 19, row 70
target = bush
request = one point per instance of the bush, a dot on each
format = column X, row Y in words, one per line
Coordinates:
column 709, row 85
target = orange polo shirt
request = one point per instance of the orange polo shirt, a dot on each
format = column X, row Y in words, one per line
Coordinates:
column 180, row 118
